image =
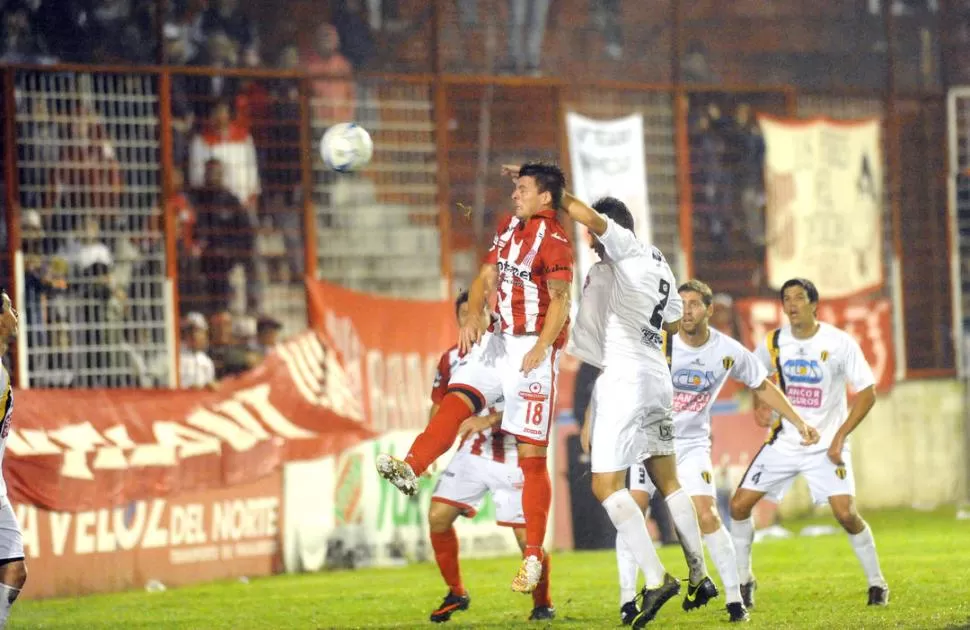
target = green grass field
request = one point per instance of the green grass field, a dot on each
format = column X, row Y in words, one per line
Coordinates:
column 804, row 583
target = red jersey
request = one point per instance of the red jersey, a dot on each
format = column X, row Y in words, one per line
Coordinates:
column 529, row 253
column 493, row 443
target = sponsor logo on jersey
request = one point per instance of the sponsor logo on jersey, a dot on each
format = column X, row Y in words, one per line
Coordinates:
column 691, row 401
column 802, row 371
column 534, row 394
column 666, row 430
column 517, row 274
column 651, row 338
column 559, row 238
column 805, row 397
column 693, row 380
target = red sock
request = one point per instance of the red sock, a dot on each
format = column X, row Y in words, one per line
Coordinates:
column 445, row 545
column 540, row 596
column 439, row 435
column 536, row 498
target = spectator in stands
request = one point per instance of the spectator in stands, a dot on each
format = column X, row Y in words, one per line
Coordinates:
column 93, row 300
column 606, row 18
column 225, row 235
column 356, row 41
column 119, row 34
column 219, row 52
column 22, row 43
column 724, row 319
column 87, row 177
column 267, row 334
column 333, row 85
column 224, row 16
column 241, row 354
column 527, row 28
column 695, row 66
column 220, row 340
column 196, row 370
column 232, row 145
column 179, row 210
column 747, row 147
column 42, row 283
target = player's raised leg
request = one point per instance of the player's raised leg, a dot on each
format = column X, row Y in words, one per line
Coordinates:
column 430, row 444
column 444, row 542
column 474, row 386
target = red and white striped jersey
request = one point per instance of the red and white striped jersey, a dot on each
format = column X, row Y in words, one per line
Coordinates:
column 494, row 443
column 528, row 253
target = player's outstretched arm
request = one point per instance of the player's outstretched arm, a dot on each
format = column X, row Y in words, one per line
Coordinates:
column 582, row 213
column 770, row 395
column 861, row 406
column 556, row 314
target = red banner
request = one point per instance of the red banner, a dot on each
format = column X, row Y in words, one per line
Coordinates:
column 71, row 450
column 190, row 537
column 869, row 321
column 388, row 351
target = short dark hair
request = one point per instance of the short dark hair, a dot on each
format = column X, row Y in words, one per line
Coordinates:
column 804, row 283
column 616, row 210
column 461, row 299
column 549, row 178
column 697, row 286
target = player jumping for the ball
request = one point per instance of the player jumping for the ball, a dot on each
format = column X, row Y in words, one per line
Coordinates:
column 530, row 266
column 632, row 402
column 814, row 362
column 486, row 462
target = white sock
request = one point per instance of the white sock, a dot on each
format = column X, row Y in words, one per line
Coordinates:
column 8, row 595
column 630, row 525
column 864, row 546
column 685, row 520
column 742, row 533
column 626, row 565
column 722, row 552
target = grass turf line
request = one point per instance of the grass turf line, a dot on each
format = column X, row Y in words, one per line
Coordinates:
column 804, row 583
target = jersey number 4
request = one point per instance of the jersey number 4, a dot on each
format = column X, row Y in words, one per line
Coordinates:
column 657, row 319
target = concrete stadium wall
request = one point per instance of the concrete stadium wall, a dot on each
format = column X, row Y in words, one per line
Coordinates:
column 910, row 452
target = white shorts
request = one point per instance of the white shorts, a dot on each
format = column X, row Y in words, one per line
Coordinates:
column 11, row 539
column 492, row 371
column 694, row 472
column 632, row 419
column 468, row 477
column 772, row 472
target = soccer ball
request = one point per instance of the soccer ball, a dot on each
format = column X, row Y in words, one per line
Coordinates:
column 346, row 147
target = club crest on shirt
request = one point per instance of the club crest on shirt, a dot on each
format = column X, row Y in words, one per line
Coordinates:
column 706, row 476
column 727, row 362
column 825, row 355
column 840, row 472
